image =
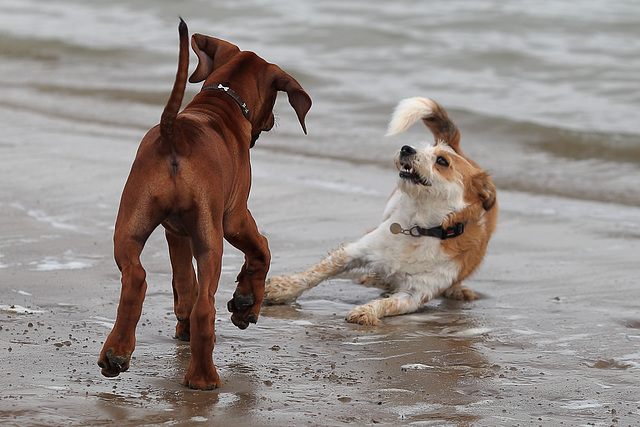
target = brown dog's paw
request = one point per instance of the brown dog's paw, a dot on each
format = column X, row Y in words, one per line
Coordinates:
column 460, row 293
column 241, row 306
column 242, row 302
column 113, row 364
column 183, row 330
column 363, row 315
column 210, row 382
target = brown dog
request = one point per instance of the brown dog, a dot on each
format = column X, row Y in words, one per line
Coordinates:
column 192, row 176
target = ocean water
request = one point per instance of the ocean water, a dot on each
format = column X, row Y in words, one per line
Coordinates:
column 546, row 93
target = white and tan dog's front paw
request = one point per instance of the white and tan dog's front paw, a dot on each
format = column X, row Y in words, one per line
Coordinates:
column 282, row 290
column 363, row 315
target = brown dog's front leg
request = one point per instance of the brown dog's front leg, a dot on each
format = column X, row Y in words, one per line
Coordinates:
column 242, row 306
column 247, row 298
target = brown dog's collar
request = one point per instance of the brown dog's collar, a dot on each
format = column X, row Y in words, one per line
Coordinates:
column 439, row 231
column 222, row 88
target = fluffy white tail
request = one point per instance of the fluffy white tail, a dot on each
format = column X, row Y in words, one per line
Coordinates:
column 408, row 112
column 432, row 114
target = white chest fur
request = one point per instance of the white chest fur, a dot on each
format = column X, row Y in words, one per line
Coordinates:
column 407, row 262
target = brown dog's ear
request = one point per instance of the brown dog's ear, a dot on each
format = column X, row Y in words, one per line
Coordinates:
column 212, row 53
column 298, row 98
column 484, row 188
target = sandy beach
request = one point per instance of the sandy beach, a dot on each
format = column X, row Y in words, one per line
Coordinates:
column 545, row 96
column 555, row 338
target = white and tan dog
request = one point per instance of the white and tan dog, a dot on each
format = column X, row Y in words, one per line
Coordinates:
column 437, row 225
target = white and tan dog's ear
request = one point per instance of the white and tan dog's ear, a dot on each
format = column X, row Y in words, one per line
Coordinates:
column 482, row 187
column 409, row 111
column 212, row 53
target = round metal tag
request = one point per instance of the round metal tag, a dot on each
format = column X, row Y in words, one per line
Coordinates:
column 395, row 228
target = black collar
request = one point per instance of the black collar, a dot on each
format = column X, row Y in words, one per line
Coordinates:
column 439, row 231
column 220, row 87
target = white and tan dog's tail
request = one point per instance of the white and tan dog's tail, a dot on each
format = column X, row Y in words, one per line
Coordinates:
column 409, row 111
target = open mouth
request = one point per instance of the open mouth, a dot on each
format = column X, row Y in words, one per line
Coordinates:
column 407, row 173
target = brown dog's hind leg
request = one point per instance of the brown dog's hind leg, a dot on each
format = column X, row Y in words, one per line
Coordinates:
column 247, row 298
column 183, row 282
column 207, row 249
column 117, row 349
column 137, row 218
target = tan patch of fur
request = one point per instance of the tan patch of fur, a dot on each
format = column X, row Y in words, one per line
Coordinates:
column 460, row 293
column 468, row 249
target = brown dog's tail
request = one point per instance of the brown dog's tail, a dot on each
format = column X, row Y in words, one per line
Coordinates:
column 431, row 113
column 168, row 132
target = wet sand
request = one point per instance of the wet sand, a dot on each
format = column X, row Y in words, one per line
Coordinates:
column 554, row 340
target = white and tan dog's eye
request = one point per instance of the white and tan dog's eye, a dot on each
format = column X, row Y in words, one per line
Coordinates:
column 442, row 161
